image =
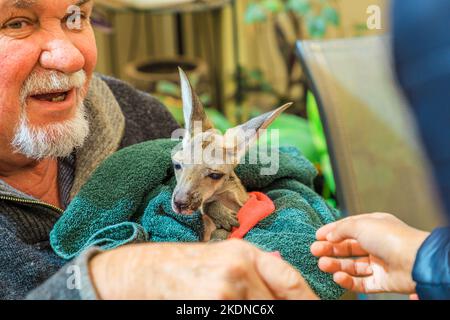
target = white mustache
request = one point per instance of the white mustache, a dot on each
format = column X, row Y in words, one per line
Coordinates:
column 51, row 81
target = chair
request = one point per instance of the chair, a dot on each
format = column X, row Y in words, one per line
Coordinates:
column 378, row 162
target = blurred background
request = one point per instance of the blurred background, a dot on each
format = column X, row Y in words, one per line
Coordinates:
column 243, row 59
column 240, row 55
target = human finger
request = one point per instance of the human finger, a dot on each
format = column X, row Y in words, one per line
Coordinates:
column 354, row 267
column 346, row 248
column 355, row 284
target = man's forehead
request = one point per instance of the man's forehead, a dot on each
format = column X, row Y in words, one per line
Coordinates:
column 26, row 4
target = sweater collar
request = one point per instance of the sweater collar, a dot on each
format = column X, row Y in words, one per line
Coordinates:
column 107, row 127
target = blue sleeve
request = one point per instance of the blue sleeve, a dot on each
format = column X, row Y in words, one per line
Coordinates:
column 421, row 44
column 432, row 266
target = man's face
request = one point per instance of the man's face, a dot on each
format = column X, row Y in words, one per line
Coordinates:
column 47, row 57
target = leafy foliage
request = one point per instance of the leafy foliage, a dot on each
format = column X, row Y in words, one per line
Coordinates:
column 300, row 7
column 330, row 15
column 293, row 131
column 255, row 13
column 318, row 14
column 320, row 144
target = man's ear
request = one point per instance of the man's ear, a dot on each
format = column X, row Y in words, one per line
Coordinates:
column 251, row 130
column 193, row 111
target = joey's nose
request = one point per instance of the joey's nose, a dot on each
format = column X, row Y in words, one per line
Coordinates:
column 180, row 205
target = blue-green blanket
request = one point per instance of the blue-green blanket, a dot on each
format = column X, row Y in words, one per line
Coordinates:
column 127, row 200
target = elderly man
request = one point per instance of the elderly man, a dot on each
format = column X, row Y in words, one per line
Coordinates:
column 58, row 121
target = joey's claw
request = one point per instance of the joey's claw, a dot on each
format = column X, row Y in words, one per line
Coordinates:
column 227, row 222
column 219, row 235
column 222, row 217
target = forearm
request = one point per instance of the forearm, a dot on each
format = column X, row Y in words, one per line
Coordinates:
column 72, row 282
column 424, row 75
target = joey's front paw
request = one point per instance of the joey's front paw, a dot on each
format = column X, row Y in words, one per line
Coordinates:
column 222, row 217
column 219, row 235
column 226, row 221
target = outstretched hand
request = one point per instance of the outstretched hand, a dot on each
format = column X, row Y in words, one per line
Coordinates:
column 369, row 253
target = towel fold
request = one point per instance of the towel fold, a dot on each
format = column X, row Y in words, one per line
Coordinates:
column 128, row 199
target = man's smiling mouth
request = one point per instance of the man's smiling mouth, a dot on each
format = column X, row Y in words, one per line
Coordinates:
column 51, row 96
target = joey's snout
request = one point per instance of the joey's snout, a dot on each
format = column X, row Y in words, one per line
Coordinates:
column 185, row 203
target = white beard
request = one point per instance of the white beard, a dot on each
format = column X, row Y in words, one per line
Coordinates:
column 53, row 140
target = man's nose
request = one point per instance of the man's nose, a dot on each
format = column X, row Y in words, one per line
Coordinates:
column 62, row 55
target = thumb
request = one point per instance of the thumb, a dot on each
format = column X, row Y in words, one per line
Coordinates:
column 282, row 279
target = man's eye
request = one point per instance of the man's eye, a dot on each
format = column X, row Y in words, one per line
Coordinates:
column 17, row 25
column 76, row 16
column 216, row 176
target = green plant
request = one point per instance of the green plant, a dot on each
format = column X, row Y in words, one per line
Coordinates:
column 293, row 131
column 360, row 29
column 320, row 143
column 307, row 136
column 318, row 14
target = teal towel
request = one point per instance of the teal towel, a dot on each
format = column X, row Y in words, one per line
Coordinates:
column 127, row 200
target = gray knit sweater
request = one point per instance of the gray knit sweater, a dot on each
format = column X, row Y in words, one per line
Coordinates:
column 119, row 116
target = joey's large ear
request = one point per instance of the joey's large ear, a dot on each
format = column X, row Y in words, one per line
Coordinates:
column 251, row 130
column 193, row 111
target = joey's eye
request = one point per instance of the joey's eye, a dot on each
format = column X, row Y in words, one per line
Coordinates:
column 216, row 176
column 177, row 166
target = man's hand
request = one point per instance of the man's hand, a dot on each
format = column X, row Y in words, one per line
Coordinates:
column 230, row 269
column 369, row 253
